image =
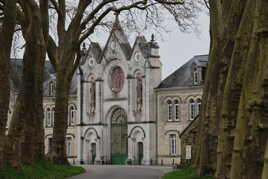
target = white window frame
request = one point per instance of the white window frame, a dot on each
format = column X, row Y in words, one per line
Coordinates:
column 192, row 109
column 170, row 111
column 172, row 144
column 69, row 146
column 195, row 76
column 52, row 116
column 72, row 115
column 177, row 110
column 198, row 106
column 48, row 117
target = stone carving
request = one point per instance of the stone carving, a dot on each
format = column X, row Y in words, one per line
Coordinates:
column 92, row 97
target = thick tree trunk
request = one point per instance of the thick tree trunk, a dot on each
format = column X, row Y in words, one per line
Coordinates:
column 26, row 129
column 232, row 92
column 58, row 153
column 6, row 36
column 239, row 51
column 26, row 135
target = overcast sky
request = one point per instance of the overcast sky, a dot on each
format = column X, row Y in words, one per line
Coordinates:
column 178, row 47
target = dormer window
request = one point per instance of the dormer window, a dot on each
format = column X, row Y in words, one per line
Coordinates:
column 195, row 76
column 52, row 88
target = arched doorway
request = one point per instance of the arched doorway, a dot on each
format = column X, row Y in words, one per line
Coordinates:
column 119, row 139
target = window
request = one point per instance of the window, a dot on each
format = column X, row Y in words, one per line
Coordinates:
column 177, row 110
column 204, row 71
column 51, row 88
column 48, row 115
column 52, row 116
column 169, row 110
column 195, row 76
column 72, row 114
column 192, row 109
column 69, row 146
column 49, row 144
column 198, row 106
column 172, row 144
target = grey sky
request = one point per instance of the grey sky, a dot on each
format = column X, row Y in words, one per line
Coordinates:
column 175, row 47
column 178, row 47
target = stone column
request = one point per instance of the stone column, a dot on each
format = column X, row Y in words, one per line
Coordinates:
column 131, row 105
column 98, row 111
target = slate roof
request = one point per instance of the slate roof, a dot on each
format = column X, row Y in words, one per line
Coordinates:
column 182, row 77
column 49, row 75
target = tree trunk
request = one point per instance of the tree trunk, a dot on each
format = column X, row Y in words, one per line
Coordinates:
column 26, row 135
column 239, row 51
column 6, row 35
column 61, row 117
column 26, row 129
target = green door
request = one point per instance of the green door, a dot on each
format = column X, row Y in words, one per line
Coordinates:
column 119, row 139
column 140, row 152
column 93, row 152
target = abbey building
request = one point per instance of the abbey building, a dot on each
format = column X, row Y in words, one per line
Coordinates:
column 120, row 112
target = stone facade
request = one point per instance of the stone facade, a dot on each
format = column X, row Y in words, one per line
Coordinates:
column 116, row 114
column 178, row 100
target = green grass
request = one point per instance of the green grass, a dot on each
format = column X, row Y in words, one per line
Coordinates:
column 185, row 173
column 42, row 169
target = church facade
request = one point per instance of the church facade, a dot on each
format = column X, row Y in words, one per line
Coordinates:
column 120, row 112
column 116, row 114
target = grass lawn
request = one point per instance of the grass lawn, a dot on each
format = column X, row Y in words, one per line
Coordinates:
column 185, row 173
column 41, row 169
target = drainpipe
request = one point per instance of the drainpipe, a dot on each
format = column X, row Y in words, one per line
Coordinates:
column 81, row 115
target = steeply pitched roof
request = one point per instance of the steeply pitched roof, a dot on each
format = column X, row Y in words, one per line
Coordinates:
column 94, row 50
column 49, row 74
column 119, row 34
column 182, row 77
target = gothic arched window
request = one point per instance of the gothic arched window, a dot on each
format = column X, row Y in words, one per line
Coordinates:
column 191, row 109
column 177, row 110
column 198, row 106
column 139, row 90
column 169, row 105
column 48, row 116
